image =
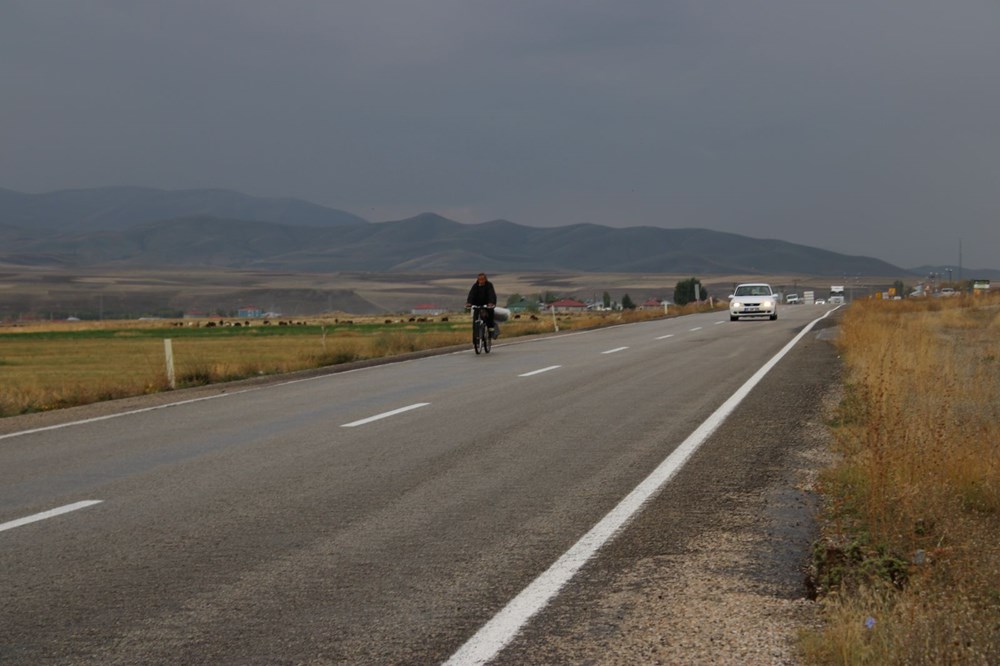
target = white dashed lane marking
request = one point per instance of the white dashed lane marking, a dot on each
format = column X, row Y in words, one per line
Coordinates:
column 538, row 372
column 52, row 513
column 384, row 415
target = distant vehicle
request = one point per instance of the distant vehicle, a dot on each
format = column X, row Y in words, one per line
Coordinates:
column 947, row 291
column 837, row 294
column 820, row 301
column 792, row 298
column 753, row 299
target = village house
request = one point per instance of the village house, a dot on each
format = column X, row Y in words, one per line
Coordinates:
column 654, row 304
column 568, row 305
column 249, row 312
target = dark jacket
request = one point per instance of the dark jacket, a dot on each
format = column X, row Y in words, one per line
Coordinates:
column 483, row 295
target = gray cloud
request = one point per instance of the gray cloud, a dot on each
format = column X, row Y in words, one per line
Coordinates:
column 861, row 127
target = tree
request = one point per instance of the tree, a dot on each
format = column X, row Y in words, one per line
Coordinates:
column 627, row 303
column 607, row 300
column 529, row 303
column 685, row 292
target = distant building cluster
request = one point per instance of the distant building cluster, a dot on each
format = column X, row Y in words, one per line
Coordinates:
column 427, row 310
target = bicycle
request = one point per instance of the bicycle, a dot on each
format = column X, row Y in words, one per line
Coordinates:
column 481, row 339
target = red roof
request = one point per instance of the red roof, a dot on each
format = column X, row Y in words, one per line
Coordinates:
column 568, row 303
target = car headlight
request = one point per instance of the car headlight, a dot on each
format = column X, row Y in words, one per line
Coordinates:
column 736, row 304
column 768, row 304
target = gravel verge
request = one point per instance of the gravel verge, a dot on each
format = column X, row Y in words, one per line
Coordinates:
column 715, row 570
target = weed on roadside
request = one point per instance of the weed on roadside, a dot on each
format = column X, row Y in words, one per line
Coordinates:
column 908, row 566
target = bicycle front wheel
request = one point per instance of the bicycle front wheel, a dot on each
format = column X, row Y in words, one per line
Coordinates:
column 477, row 338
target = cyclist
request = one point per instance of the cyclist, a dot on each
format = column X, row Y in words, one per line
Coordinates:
column 482, row 293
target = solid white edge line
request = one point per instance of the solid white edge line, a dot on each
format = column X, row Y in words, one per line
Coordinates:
column 493, row 636
column 384, row 415
column 616, row 349
column 538, row 372
column 48, row 514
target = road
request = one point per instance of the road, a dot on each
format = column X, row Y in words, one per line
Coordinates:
column 382, row 515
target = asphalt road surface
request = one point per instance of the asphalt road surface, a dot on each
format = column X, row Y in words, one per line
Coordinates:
column 385, row 514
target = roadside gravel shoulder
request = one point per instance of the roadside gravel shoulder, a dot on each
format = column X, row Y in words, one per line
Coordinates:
column 714, row 571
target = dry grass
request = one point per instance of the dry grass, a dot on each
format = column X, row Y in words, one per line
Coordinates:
column 51, row 365
column 911, row 545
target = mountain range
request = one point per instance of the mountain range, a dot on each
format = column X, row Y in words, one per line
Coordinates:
column 124, row 227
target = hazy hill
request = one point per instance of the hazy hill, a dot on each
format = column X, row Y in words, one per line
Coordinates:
column 116, row 208
column 193, row 241
column 430, row 242
column 88, row 228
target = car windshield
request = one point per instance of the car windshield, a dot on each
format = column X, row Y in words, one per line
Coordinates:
column 753, row 290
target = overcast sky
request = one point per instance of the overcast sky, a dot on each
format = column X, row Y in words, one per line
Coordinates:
column 861, row 126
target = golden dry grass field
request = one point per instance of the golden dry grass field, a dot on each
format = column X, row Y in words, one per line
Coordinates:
column 910, row 562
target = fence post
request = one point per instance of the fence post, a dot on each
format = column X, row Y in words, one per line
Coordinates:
column 168, row 349
column 554, row 322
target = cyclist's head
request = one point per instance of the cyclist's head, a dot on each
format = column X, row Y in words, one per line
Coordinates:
column 481, row 278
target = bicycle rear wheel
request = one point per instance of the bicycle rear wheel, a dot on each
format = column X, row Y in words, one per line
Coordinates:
column 487, row 339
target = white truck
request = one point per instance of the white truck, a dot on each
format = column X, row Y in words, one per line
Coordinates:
column 836, row 294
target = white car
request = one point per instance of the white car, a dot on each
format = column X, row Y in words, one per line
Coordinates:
column 753, row 299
